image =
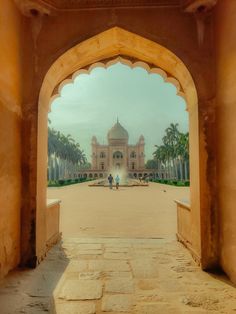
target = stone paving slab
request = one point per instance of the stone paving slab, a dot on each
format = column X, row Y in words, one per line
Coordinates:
column 117, row 274
column 117, row 245
column 89, row 252
column 108, row 265
column 147, row 284
column 120, row 285
column 156, row 308
column 89, row 246
column 90, row 275
column 172, row 285
column 117, row 255
column 76, row 266
column 76, row 308
column 144, row 268
column 81, row 290
column 118, row 249
column 117, row 303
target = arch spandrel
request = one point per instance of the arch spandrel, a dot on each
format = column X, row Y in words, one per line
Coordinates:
column 111, row 44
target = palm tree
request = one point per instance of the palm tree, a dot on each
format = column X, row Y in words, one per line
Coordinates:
column 64, row 155
column 173, row 153
column 161, row 154
column 186, row 156
column 171, row 138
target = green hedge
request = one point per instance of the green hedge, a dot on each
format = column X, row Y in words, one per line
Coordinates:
column 63, row 182
column 172, row 182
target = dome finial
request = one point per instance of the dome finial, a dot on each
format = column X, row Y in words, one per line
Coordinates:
column 118, row 132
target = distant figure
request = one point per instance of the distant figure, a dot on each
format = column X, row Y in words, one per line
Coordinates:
column 117, row 179
column 110, row 180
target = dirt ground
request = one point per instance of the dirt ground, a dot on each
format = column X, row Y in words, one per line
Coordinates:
column 146, row 212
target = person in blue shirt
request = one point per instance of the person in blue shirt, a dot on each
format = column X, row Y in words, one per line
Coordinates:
column 117, row 180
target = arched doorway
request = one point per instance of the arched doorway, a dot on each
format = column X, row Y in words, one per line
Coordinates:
column 108, row 45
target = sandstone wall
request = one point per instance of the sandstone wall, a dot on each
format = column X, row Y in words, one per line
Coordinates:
column 226, row 136
column 10, row 132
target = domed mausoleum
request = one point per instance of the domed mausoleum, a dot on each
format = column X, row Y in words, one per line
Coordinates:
column 118, row 154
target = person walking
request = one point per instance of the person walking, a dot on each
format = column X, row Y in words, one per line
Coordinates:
column 110, row 180
column 117, row 179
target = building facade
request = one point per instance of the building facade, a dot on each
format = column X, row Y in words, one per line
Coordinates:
column 118, row 155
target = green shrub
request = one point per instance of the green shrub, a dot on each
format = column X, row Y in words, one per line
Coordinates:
column 61, row 182
column 76, row 180
column 187, row 183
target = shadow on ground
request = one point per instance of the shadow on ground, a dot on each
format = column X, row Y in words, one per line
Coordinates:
column 30, row 291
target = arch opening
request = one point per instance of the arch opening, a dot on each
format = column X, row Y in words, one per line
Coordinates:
column 113, row 45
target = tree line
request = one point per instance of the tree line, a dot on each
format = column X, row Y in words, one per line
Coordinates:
column 171, row 158
column 65, row 157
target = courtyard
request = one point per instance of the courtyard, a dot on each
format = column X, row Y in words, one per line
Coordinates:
column 118, row 254
column 131, row 212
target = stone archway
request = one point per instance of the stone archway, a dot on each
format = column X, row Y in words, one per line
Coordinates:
column 105, row 46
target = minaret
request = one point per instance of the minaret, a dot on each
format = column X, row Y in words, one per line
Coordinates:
column 94, row 144
column 141, row 154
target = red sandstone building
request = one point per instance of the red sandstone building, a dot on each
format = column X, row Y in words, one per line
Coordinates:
column 118, row 155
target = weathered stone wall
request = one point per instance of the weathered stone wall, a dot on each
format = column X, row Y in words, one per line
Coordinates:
column 10, row 136
column 226, row 136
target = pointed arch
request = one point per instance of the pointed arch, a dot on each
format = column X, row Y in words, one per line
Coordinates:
column 105, row 49
column 113, row 43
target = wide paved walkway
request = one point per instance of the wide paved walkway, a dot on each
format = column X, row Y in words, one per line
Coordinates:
column 117, row 271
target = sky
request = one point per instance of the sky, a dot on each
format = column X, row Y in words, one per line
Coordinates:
column 143, row 102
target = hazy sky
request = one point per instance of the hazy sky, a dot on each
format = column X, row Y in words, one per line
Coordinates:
column 144, row 103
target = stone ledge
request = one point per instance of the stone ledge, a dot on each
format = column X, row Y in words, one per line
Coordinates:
column 53, row 234
column 183, row 204
column 51, row 202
